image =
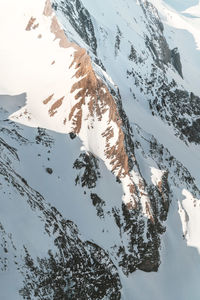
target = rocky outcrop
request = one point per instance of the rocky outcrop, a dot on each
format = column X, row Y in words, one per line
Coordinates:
column 155, row 41
column 88, row 170
column 109, row 176
column 102, row 103
column 178, row 108
column 76, row 271
column 176, row 61
column 80, row 20
column 95, row 108
column 72, row 268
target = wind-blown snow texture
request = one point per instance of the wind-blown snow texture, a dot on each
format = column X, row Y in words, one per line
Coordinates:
column 99, row 150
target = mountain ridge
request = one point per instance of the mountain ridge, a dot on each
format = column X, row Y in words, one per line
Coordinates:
column 96, row 163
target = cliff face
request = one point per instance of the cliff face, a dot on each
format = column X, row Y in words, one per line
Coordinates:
column 87, row 158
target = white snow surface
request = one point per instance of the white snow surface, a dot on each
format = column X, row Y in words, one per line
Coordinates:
column 179, row 273
column 39, row 78
column 26, row 63
column 182, row 30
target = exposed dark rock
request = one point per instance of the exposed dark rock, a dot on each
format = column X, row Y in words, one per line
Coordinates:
column 143, row 251
column 76, row 271
column 180, row 109
column 156, row 41
column 133, row 54
column 89, row 170
column 49, row 170
column 72, row 135
column 80, row 19
column 176, row 61
column 43, row 138
column 98, row 203
column 118, row 41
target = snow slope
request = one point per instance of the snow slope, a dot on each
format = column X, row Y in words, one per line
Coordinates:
column 182, row 5
column 91, row 135
column 180, row 32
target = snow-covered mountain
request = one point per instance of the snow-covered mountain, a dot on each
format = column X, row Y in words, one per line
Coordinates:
column 99, row 140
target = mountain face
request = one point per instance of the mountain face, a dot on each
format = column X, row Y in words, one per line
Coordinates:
column 99, row 160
